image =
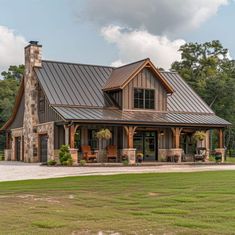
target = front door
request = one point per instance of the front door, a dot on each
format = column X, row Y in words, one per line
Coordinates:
column 17, row 148
column 43, row 148
column 146, row 142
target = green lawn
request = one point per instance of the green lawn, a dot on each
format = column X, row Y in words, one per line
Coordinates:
column 167, row 203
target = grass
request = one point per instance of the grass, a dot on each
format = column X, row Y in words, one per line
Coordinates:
column 167, row 203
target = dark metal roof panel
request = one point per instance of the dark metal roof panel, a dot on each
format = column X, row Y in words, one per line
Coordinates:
column 184, row 99
column 114, row 115
column 74, row 84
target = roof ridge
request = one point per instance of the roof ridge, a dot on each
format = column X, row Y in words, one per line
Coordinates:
column 135, row 62
column 163, row 71
column 63, row 62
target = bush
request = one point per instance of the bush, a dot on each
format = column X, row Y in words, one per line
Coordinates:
column 65, row 156
column 51, row 163
column 82, row 162
column 125, row 162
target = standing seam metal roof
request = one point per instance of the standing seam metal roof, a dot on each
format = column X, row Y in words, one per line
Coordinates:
column 75, row 92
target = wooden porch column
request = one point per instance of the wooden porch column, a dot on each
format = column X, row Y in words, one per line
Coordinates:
column 176, row 136
column 66, row 134
column 72, row 133
column 220, row 138
column 130, row 130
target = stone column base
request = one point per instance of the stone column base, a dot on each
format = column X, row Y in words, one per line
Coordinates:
column 176, row 151
column 7, row 154
column 131, row 154
column 74, row 154
column 222, row 151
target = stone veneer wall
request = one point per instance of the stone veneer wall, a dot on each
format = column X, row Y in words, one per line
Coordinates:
column 18, row 132
column 47, row 128
column 32, row 59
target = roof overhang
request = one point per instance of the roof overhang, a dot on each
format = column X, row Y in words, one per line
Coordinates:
column 16, row 106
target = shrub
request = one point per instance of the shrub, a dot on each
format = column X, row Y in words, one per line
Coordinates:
column 65, row 156
column 82, row 162
column 125, row 162
column 51, row 163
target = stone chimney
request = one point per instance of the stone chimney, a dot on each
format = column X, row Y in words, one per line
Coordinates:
column 32, row 60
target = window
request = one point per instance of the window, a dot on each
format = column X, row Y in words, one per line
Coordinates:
column 144, row 98
column 139, row 98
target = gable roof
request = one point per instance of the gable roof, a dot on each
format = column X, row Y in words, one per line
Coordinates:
column 80, row 85
column 121, row 76
column 75, row 92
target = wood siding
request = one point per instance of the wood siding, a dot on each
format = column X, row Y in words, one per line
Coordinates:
column 116, row 97
column 145, row 79
column 47, row 114
column 59, row 136
column 19, row 118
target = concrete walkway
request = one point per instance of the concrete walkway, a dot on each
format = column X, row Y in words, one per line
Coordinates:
column 10, row 171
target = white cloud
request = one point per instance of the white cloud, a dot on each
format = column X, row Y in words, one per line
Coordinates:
column 156, row 16
column 138, row 44
column 11, row 48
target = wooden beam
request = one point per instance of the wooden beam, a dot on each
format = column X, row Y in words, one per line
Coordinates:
column 176, row 136
column 220, row 138
column 72, row 132
column 130, row 130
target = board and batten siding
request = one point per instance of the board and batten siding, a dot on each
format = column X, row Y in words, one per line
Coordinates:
column 48, row 114
column 19, row 118
column 146, row 80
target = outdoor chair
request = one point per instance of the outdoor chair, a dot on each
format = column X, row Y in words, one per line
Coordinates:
column 87, row 153
column 200, row 155
column 112, row 153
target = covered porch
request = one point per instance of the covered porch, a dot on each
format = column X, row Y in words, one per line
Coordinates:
column 132, row 142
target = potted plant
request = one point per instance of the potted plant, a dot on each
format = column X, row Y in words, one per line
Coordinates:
column 139, row 157
column 103, row 134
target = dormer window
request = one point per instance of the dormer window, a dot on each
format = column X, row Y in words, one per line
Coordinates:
column 144, row 98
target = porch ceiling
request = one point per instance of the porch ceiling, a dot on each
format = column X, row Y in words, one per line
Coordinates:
column 138, row 117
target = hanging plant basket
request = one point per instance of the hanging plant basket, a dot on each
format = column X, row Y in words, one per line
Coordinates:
column 199, row 135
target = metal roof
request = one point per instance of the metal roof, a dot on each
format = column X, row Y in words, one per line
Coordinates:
column 75, row 92
column 121, row 74
column 135, row 117
column 74, row 84
column 184, row 98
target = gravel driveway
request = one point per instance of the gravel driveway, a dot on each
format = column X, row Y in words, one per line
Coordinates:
column 10, row 171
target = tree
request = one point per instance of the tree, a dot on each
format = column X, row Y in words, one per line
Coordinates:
column 9, row 86
column 209, row 71
column 8, row 89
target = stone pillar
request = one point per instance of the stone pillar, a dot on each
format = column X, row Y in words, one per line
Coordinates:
column 175, row 152
column 32, row 60
column 131, row 155
column 74, row 154
column 130, row 152
column 221, row 143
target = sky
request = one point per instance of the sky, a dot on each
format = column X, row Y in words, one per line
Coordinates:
column 112, row 32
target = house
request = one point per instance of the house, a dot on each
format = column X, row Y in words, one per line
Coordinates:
column 147, row 110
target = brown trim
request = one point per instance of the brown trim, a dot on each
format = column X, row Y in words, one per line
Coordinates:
column 144, row 123
column 151, row 66
column 16, row 106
